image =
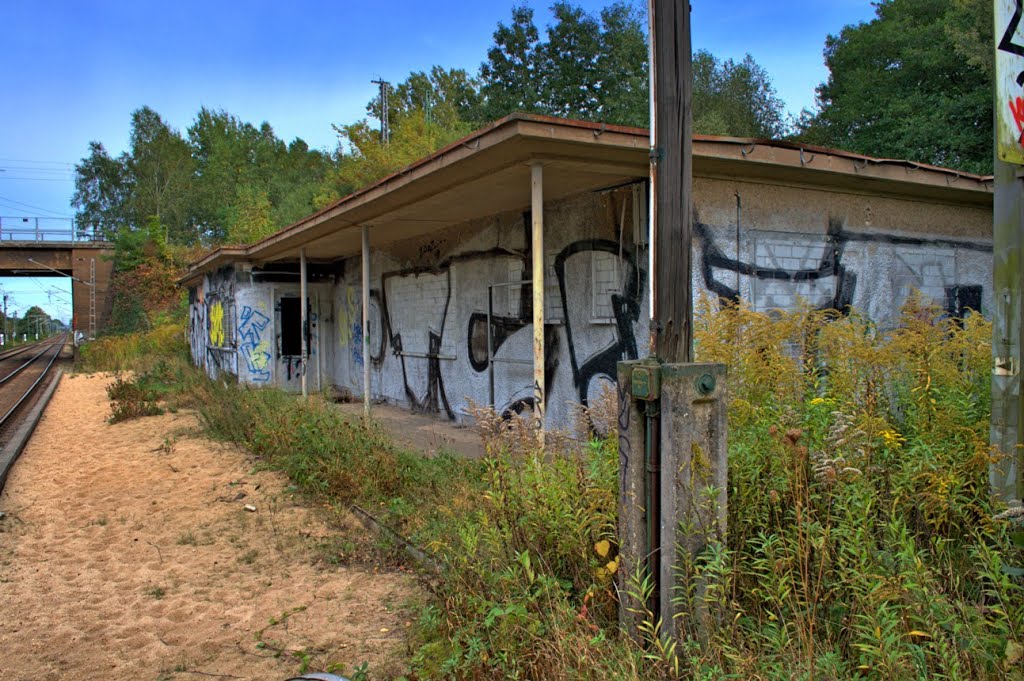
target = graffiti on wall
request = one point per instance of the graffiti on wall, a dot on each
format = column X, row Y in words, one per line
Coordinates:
column 625, row 306
column 253, row 345
column 815, row 268
column 209, row 325
column 197, row 334
column 416, row 305
column 406, row 299
column 350, row 324
column 828, row 270
column 216, row 317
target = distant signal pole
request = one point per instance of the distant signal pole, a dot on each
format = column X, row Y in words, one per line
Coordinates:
column 385, row 126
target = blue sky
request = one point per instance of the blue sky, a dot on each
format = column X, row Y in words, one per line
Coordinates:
column 74, row 70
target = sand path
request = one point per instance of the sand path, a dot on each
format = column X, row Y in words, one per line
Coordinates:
column 126, row 553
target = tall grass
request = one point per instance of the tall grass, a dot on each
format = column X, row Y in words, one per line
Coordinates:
column 862, row 541
column 135, row 351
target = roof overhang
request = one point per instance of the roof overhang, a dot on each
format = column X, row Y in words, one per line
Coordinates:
column 488, row 173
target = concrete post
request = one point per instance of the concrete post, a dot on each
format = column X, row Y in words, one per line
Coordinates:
column 304, row 316
column 366, row 321
column 537, row 246
column 695, row 466
column 674, row 473
column 1005, row 475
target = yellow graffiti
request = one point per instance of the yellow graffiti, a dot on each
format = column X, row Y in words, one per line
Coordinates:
column 260, row 356
column 348, row 313
column 217, row 325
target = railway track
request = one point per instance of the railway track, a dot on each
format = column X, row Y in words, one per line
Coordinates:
column 23, row 374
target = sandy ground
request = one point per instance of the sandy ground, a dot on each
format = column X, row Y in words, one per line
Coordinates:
column 126, row 553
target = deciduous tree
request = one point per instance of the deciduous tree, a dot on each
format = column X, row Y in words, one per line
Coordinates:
column 915, row 82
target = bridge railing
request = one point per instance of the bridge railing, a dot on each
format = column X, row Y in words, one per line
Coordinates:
column 45, row 229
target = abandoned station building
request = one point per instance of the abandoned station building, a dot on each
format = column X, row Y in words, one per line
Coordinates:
column 458, row 242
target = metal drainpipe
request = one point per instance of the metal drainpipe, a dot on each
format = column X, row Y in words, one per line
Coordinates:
column 652, row 499
column 304, row 317
column 365, row 273
column 490, row 352
column 537, row 282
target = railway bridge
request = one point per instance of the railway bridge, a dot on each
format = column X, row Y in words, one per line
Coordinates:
column 88, row 261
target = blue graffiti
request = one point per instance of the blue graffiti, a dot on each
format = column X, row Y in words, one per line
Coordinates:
column 254, row 348
column 357, row 343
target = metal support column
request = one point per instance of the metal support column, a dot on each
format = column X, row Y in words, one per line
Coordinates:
column 304, row 316
column 366, row 322
column 537, row 248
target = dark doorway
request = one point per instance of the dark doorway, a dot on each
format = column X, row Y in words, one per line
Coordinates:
column 291, row 327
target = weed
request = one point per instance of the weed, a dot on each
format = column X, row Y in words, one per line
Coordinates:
column 361, row 672
column 249, row 557
column 156, row 593
column 187, row 539
column 131, row 399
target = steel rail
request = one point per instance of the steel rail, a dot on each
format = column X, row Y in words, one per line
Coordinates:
column 32, row 388
column 7, row 354
column 17, row 371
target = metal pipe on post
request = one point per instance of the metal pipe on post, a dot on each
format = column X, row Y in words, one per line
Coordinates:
column 537, row 283
column 304, row 317
column 366, row 321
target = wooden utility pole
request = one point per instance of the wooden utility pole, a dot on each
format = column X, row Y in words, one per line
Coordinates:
column 671, row 411
column 672, row 171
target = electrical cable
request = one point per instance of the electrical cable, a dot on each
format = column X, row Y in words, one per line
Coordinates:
column 39, row 179
column 33, row 207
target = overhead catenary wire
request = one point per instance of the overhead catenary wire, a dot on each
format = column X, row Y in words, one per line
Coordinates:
column 28, row 160
column 37, row 169
column 39, row 179
column 30, row 206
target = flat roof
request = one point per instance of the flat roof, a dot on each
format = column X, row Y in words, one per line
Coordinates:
column 487, row 173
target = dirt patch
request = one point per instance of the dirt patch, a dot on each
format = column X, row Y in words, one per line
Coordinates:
column 126, row 552
column 422, row 432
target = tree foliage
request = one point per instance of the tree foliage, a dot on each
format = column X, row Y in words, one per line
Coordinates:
column 735, row 98
column 915, row 82
column 589, row 67
column 363, row 158
column 594, row 68
column 227, row 180
column 252, row 183
column 448, row 97
column 34, row 319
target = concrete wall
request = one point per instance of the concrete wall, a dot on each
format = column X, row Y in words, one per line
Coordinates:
column 429, row 296
column 429, row 304
column 839, row 249
column 235, row 330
